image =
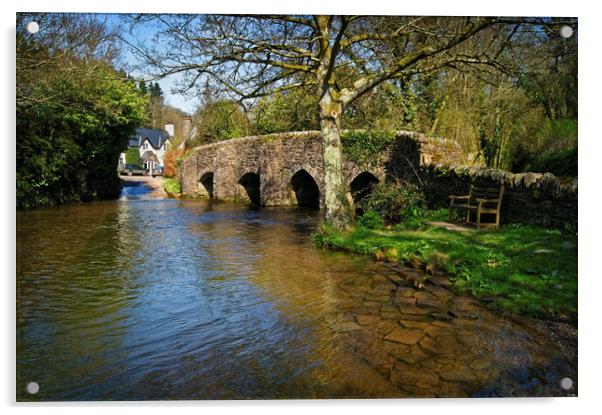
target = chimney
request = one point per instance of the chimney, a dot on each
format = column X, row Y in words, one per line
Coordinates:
column 170, row 129
column 186, row 126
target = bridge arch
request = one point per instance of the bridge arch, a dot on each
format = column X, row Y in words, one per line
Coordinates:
column 206, row 184
column 249, row 186
column 362, row 185
column 307, row 191
column 278, row 157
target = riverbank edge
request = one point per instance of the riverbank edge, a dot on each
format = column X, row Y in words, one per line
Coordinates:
column 561, row 330
column 480, row 257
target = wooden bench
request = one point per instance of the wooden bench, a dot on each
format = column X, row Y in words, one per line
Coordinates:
column 482, row 201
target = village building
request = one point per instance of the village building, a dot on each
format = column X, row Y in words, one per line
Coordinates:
column 152, row 146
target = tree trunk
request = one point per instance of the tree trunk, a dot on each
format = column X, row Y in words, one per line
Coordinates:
column 339, row 212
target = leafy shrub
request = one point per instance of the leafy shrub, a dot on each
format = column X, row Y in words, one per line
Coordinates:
column 394, row 202
column 218, row 121
column 562, row 163
column 171, row 186
column 370, row 220
column 327, row 236
column 170, row 162
column 553, row 150
column 69, row 142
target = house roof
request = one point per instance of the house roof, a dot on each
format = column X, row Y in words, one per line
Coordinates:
column 156, row 138
column 148, row 155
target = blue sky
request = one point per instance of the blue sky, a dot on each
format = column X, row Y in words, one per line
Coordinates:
column 167, row 84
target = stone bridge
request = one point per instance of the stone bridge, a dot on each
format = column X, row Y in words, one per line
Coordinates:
column 287, row 169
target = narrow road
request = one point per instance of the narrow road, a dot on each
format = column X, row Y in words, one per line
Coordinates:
column 155, row 184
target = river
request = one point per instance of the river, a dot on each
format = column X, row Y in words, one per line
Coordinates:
column 145, row 298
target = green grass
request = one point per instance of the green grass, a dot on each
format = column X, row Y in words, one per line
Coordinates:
column 502, row 264
column 171, row 185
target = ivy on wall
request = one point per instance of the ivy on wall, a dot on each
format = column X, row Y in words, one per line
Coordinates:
column 364, row 147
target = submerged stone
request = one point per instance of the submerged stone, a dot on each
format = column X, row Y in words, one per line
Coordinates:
column 405, row 336
column 413, row 310
column 457, row 373
column 405, row 292
column 405, row 300
column 346, row 326
column 413, row 376
column 366, row 319
column 409, row 356
column 480, row 363
column 441, row 316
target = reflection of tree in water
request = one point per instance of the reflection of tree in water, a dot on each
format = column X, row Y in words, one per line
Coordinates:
column 72, row 292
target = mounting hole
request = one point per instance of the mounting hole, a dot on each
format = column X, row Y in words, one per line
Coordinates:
column 33, row 27
column 566, row 383
column 33, row 388
column 566, row 31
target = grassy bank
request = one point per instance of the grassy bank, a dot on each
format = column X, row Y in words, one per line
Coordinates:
column 522, row 270
column 171, row 186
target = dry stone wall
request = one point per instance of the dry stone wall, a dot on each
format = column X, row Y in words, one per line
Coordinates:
column 534, row 198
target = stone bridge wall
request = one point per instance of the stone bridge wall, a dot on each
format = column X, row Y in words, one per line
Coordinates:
column 436, row 164
column 275, row 158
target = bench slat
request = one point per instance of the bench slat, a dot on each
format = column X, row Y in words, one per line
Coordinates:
column 485, row 197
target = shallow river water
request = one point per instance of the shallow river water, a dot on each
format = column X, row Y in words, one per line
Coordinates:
column 147, row 298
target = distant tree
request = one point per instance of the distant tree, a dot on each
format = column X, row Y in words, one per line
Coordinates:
column 293, row 110
column 132, row 155
column 175, row 116
column 519, row 117
column 219, row 120
column 155, row 106
column 142, row 88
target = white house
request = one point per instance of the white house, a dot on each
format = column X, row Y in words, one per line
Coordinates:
column 152, row 146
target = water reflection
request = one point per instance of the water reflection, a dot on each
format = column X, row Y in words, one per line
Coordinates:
column 168, row 299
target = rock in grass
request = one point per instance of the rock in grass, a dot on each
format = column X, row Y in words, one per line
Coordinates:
column 391, row 254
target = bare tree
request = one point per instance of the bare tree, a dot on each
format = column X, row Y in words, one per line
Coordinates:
column 70, row 44
column 341, row 57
